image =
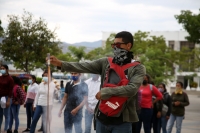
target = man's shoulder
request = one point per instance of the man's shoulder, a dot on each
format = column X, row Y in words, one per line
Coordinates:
column 138, row 67
column 83, row 83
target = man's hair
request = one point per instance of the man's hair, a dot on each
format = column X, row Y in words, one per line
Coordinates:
column 17, row 80
column 5, row 66
column 179, row 82
column 126, row 36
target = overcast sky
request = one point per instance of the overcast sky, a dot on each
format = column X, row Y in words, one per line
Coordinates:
column 84, row 20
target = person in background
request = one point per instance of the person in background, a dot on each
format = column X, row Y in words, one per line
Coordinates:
column 75, row 97
column 166, row 101
column 41, row 127
column 57, row 92
column 62, row 90
column 179, row 101
column 15, row 106
column 157, row 113
column 30, row 97
column 40, row 104
column 93, row 87
column 146, row 92
column 6, row 90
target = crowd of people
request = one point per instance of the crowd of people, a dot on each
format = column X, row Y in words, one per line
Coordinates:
column 119, row 97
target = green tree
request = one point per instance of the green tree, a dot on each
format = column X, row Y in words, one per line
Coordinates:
column 191, row 23
column 155, row 55
column 27, row 42
column 189, row 58
column 66, row 57
column 95, row 54
column 78, row 53
column 1, row 30
column 74, row 54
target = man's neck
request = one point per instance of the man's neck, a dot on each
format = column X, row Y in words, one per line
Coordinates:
column 75, row 82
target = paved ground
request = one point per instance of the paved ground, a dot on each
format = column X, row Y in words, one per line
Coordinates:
column 191, row 123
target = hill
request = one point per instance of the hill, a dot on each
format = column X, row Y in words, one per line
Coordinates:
column 89, row 45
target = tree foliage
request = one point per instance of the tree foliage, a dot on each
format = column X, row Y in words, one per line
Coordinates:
column 95, row 54
column 155, row 55
column 1, row 30
column 191, row 23
column 189, row 58
column 74, row 54
column 27, row 41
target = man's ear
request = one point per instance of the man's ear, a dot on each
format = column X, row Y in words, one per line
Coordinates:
column 129, row 45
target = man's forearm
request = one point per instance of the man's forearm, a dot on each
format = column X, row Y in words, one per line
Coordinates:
column 63, row 103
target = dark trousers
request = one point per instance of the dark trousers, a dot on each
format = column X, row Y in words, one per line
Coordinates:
column 29, row 113
column 154, row 122
column 145, row 118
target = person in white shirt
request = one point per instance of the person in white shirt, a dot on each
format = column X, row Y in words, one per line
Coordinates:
column 42, row 106
column 93, row 87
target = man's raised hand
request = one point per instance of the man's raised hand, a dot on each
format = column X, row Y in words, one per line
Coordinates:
column 54, row 61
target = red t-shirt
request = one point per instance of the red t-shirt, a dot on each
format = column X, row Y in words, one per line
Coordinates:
column 6, row 85
column 146, row 95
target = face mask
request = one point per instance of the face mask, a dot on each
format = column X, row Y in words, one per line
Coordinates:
column 144, row 82
column 30, row 81
column 45, row 79
column 178, row 89
column 122, row 56
column 75, row 78
column 3, row 71
column 161, row 90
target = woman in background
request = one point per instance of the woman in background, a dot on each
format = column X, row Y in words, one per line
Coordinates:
column 40, row 104
column 179, row 101
column 15, row 106
column 166, row 101
column 146, row 92
column 6, row 90
column 30, row 97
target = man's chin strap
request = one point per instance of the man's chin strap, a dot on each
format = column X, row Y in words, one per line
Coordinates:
column 122, row 56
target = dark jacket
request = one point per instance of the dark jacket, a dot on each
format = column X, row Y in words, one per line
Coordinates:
column 167, row 101
column 183, row 99
column 158, row 106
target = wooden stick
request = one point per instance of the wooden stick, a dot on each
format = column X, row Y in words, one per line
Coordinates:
column 49, row 80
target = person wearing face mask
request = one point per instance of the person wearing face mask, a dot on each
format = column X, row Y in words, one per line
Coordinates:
column 147, row 91
column 40, row 104
column 74, row 99
column 179, row 101
column 123, row 42
column 162, row 123
column 30, row 97
column 93, row 87
column 6, row 90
